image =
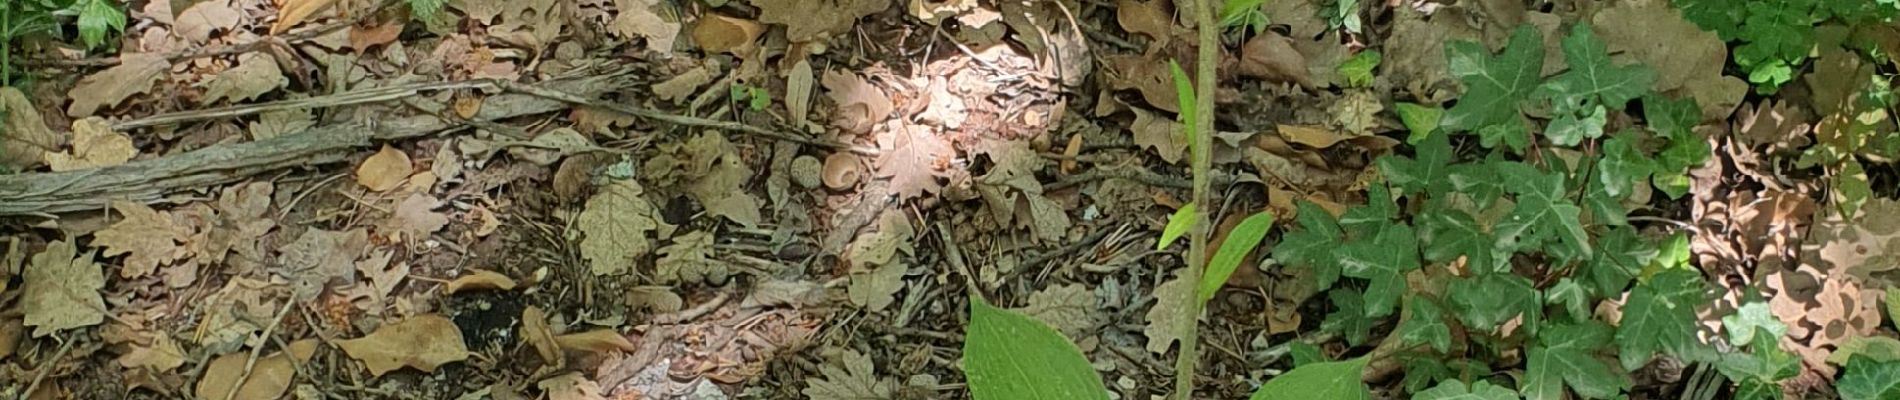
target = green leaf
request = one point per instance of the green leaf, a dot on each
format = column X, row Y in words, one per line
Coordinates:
column 1479, row 181
column 97, row 18
column 1348, row 318
column 1450, row 233
column 1571, row 129
column 1185, row 101
column 1869, row 380
column 1542, row 213
column 1384, row 259
column 1565, row 355
column 1457, row 390
column 1851, row 188
column 426, row 10
column 1425, row 324
column 1242, row 240
column 1008, row 355
column 1659, row 317
column 1893, row 305
column 1178, row 225
column 1419, row 120
column 1624, row 163
column 1236, row 12
column 1671, row 119
column 1623, row 255
column 1572, row 296
column 1592, row 80
column 1875, row 348
column 1366, row 220
column 1304, row 353
column 760, row 99
column 1429, row 173
column 1485, row 301
column 1747, row 319
column 1495, row 87
column 1338, row 380
column 1357, row 70
column 1313, row 244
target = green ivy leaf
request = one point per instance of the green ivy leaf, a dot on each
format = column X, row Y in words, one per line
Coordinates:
column 1366, row 220
column 1008, row 355
column 1485, row 301
column 1178, row 225
column 1240, row 241
column 1495, row 87
column 1893, row 305
column 1674, row 120
column 1571, row 296
column 1420, row 120
column 1429, row 173
column 1384, row 260
column 1604, row 208
column 1659, row 317
column 1479, row 181
column 1592, row 80
column 97, row 18
column 1876, row 348
column 1338, row 380
column 1869, row 380
column 426, row 10
column 1348, row 318
column 1748, row 318
column 1542, row 213
column 1450, row 233
column 1357, row 70
column 1623, row 255
column 1313, row 244
column 1425, row 324
column 1624, row 163
column 1304, row 353
column 1565, row 355
column 1570, row 129
column 1457, row 390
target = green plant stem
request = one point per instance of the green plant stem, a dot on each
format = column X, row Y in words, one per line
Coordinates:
column 1208, row 41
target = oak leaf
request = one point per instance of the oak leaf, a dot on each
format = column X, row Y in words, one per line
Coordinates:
column 423, row 342
column 911, row 154
column 255, row 75
column 61, row 290
column 384, row 170
column 269, row 377
column 198, row 22
column 149, row 237
column 24, row 137
column 95, row 145
column 616, row 223
column 413, row 219
column 135, row 74
column 861, row 106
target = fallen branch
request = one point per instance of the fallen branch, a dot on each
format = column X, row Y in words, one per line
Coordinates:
column 149, row 181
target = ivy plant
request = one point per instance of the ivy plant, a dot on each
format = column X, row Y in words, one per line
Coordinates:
column 1775, row 37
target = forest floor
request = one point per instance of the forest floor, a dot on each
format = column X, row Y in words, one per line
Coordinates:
column 795, row 199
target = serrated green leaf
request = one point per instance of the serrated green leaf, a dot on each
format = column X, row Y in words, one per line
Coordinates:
column 1338, row 380
column 1313, row 244
column 1419, row 120
column 1592, row 80
column 1429, row 173
column 1565, row 355
column 1457, row 390
column 1348, row 318
column 1543, row 213
column 1008, row 355
column 1242, row 240
column 1485, row 301
column 1866, row 379
column 1495, row 87
column 1571, row 129
column 98, row 18
column 1183, row 219
column 1383, row 259
column 1425, row 324
column 1659, row 317
column 1357, row 70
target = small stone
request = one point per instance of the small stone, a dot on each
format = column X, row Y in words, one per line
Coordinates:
column 808, row 172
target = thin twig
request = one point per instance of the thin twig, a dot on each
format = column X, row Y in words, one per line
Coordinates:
column 693, row 313
column 335, row 100
column 258, row 350
column 681, row 120
column 1065, row 251
column 45, row 367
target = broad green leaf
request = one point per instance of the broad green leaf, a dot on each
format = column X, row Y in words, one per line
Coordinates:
column 97, row 18
column 1542, row 213
column 1624, row 163
column 425, row 10
column 1357, row 71
column 1571, row 129
column 1450, row 233
column 1479, row 181
column 1008, row 355
column 1592, row 80
column 1313, row 244
column 1747, row 319
column 1604, row 208
column 1571, row 296
column 1363, row 221
column 1457, row 390
column 1495, row 87
column 1672, row 119
column 1485, row 301
column 1178, row 225
column 1421, row 372
column 1429, row 173
column 1876, row 348
column 1419, row 120
column 1184, row 100
column 1338, row 380
column 1236, row 12
column 1304, row 353
column 1851, row 187
column 1866, row 379
column 1660, row 317
column 1672, row 253
column 1566, row 355
column 1425, row 324
column 1762, row 367
column 1383, row 259
column 1242, row 240
column 1623, row 255
column 1348, row 318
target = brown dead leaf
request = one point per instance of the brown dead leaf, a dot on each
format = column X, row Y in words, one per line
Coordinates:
column 1315, row 137
column 1271, row 57
column 382, row 275
column 293, row 12
column 423, row 342
column 362, row 38
column 683, row 86
column 721, row 34
column 1356, row 112
column 480, row 279
column 197, row 23
column 570, row 386
column 487, row 223
column 1686, row 58
column 270, row 376
column 242, row 217
column 798, row 85
column 161, row 355
column 255, row 75
column 535, row 330
column 61, row 290
column 24, row 137
column 11, row 331
column 861, row 106
column 816, row 20
column 638, row 19
column 318, row 257
column 910, row 158
column 1154, row 18
column 467, row 106
column 413, row 219
column 385, row 170
column 1070, row 152
column 135, row 74
column 595, row 341
column 95, row 145
column 1167, row 137
column 149, row 237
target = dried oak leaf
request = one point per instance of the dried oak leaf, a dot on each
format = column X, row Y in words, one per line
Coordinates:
column 596, row 341
column 243, row 216
column 849, row 376
column 272, row 124
column 1688, row 59
column 162, row 354
column 1154, row 18
column 615, row 224
column 293, row 12
column 61, row 290
column 875, row 288
column 911, row 155
column 716, row 33
column 719, row 179
column 413, row 219
column 689, row 260
column 682, row 87
column 423, row 342
column 861, row 105
column 319, row 257
column 384, row 170
column 1072, row 309
column 198, row 22
column 894, row 234
column 638, row 20
column 570, row 386
column 24, row 137
column 1167, row 137
column 95, row 145
column 1168, row 319
column 269, row 377
column 1356, row 112
column 149, row 237
column 135, row 74
column 255, row 75
column 816, row 20
column 1867, row 247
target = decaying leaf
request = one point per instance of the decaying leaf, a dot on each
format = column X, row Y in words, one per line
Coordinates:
column 384, row 170
column 535, row 331
column 270, row 376
column 1154, row 18
column 293, row 12
column 148, row 237
column 595, row 341
column 638, row 20
column 480, row 279
column 413, row 219
column 689, row 260
column 894, row 234
column 861, row 106
column 570, row 386
column 1072, row 309
column 135, row 74
column 658, row 299
column 874, row 288
column 716, row 33
column 798, row 85
column 319, row 257
column 1168, row 319
column 1867, row 247
column 24, row 137
column 423, row 342
column 1271, row 57
column 162, row 354
column 615, row 224
column 911, row 157
column 197, row 23
column 1167, row 137
column 272, row 124
column 849, row 376
column 95, row 145
column 684, row 86
column 255, row 75
column 1357, row 112
column 816, row 20
column 61, row 290
column 1688, row 60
